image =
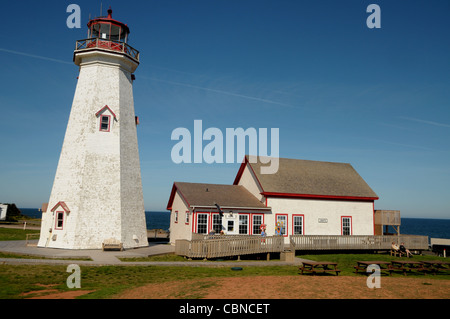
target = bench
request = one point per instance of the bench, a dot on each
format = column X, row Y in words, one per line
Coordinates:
column 323, row 266
column 396, row 253
column 112, row 244
column 407, row 266
column 362, row 265
column 436, row 265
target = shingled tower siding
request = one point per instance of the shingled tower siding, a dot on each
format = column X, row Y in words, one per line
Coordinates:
column 97, row 191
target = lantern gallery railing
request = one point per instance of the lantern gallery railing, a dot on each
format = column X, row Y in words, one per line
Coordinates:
column 205, row 246
column 110, row 45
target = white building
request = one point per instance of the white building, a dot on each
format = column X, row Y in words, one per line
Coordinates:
column 3, row 211
column 97, row 191
column 302, row 198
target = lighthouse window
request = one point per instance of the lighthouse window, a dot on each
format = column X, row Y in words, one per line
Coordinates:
column 115, row 33
column 105, row 30
column 59, row 220
column 105, row 123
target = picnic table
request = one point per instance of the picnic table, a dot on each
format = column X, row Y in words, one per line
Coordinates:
column 435, row 265
column 362, row 265
column 319, row 266
column 406, row 265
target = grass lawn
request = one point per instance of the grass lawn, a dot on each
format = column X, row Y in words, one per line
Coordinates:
column 107, row 281
column 15, row 233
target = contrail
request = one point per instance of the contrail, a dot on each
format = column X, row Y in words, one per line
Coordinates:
column 217, row 91
column 35, row 56
column 424, row 121
column 159, row 80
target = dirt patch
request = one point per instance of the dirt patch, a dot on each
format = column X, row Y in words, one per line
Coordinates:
column 293, row 287
column 53, row 293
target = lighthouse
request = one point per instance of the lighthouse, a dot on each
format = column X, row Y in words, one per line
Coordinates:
column 97, row 195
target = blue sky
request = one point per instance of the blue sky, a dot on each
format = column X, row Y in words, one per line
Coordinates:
column 337, row 90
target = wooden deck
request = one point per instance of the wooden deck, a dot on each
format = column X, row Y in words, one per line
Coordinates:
column 324, row 242
column 204, row 246
column 228, row 246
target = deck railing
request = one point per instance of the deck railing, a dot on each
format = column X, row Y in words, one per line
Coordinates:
column 326, row 242
column 228, row 246
column 206, row 246
column 110, row 45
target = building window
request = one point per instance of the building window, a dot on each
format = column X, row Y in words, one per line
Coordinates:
column 346, row 226
column 59, row 220
column 282, row 225
column 176, row 217
column 257, row 222
column 217, row 223
column 186, row 221
column 105, row 123
column 243, row 224
column 230, row 226
column 297, row 221
column 202, row 223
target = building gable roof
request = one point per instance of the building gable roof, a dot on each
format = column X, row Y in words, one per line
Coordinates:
column 63, row 205
column 106, row 107
column 315, row 179
column 207, row 195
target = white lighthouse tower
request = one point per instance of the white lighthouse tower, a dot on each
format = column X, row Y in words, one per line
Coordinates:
column 97, row 192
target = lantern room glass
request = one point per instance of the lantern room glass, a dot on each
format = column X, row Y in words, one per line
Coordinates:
column 107, row 31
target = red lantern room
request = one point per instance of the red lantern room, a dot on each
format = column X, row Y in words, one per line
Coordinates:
column 105, row 33
column 108, row 29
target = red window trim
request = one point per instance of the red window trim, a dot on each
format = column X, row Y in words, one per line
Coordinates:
column 101, row 122
column 208, row 222
column 56, row 220
column 287, row 223
column 187, row 217
column 251, row 221
column 303, row 223
column 342, row 225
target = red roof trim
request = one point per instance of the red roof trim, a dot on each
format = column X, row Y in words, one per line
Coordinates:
column 172, row 197
column 326, row 197
column 241, row 171
column 63, row 205
column 103, row 108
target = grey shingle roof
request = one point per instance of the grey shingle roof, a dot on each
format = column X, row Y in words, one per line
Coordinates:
column 308, row 177
column 198, row 194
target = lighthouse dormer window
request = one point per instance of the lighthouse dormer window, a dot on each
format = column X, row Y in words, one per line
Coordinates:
column 105, row 123
column 59, row 220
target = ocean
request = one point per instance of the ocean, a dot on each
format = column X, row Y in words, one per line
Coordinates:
column 155, row 220
column 433, row 228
